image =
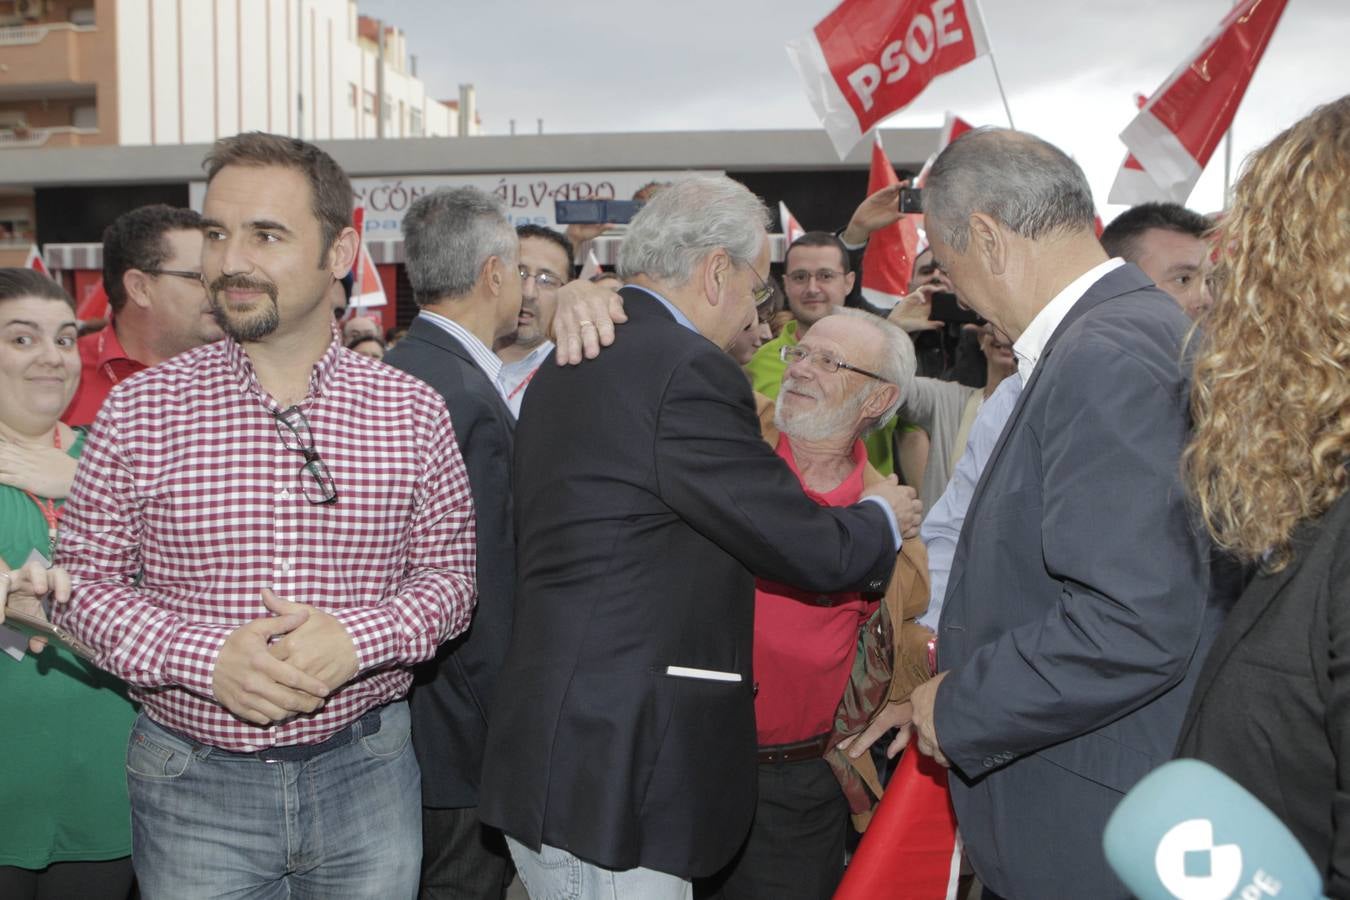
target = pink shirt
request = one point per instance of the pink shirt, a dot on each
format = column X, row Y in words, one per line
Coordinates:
column 805, row 642
column 186, row 505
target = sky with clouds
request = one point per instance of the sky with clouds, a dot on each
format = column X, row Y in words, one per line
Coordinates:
column 1070, row 67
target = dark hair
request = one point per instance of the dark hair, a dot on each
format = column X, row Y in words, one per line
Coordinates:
column 16, row 283
column 330, row 189
column 548, row 234
column 821, row 239
column 135, row 240
column 1121, row 237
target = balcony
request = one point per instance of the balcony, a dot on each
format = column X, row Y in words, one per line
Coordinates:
column 57, row 136
column 48, row 58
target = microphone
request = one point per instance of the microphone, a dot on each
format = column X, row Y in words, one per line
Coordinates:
column 1189, row 832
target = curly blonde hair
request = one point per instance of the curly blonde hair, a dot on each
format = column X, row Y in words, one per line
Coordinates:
column 1271, row 394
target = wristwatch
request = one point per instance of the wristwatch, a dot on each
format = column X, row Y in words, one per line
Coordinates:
column 932, row 655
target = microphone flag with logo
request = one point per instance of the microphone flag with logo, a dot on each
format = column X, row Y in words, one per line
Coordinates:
column 1189, row 832
column 1174, row 135
column 870, row 58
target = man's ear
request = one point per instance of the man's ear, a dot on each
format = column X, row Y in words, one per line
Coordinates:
column 342, row 255
column 990, row 242
column 716, row 272
column 136, row 285
column 493, row 274
column 880, row 400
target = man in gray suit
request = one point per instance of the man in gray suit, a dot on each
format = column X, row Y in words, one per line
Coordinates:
column 1077, row 607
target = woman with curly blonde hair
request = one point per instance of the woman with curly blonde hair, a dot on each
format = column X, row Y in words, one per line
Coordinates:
column 1268, row 468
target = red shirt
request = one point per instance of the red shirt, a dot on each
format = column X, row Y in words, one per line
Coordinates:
column 805, row 642
column 187, row 504
column 103, row 363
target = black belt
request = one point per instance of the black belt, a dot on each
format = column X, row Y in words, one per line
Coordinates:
column 367, row 725
column 811, row 748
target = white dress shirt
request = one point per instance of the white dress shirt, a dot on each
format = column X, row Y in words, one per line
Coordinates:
column 1029, row 346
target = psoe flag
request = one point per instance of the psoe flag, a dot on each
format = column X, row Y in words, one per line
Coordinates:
column 1175, row 134
column 870, row 58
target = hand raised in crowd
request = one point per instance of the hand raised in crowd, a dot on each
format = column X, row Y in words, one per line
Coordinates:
column 579, row 233
column 903, row 501
column 585, row 321
column 46, row 472
column 877, row 211
column 27, row 585
column 913, row 311
column 923, row 699
column 892, row 715
column 256, row 686
column 321, row 646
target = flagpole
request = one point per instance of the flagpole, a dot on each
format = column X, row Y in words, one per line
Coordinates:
column 1003, row 95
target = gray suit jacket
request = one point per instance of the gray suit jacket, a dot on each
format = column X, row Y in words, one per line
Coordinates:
column 1077, row 606
column 451, row 693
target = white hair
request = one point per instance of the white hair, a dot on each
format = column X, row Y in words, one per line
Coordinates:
column 897, row 363
column 448, row 235
column 686, row 221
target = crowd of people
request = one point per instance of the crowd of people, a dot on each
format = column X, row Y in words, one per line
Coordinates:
column 630, row 589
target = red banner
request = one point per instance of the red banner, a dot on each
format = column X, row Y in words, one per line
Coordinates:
column 1175, row 134
column 888, row 261
column 870, row 58
column 910, row 850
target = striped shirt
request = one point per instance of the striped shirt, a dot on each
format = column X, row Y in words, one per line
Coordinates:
column 482, row 354
column 187, row 504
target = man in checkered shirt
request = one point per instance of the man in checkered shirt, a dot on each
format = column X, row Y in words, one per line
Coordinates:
column 265, row 533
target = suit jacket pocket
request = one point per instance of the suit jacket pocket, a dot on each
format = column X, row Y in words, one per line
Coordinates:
column 1101, row 760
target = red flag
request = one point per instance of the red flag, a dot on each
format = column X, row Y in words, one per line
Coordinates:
column 367, row 288
column 94, row 304
column 1175, row 134
column 870, row 58
column 888, row 261
column 953, row 128
column 35, row 261
column 910, row 850
column 1133, row 185
column 792, row 229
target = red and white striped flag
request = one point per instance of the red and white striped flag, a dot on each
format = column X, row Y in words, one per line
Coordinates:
column 792, row 229
column 367, row 288
column 888, row 261
column 1174, row 135
column 870, row 58
column 35, row 261
column 952, row 128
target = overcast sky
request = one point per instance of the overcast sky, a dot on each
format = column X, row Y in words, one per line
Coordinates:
column 1070, row 67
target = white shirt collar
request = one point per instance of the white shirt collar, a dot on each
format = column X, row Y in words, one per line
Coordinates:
column 1031, row 344
column 481, row 353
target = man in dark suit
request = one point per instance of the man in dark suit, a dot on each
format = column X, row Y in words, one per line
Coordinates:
column 621, row 751
column 1077, row 606
column 462, row 261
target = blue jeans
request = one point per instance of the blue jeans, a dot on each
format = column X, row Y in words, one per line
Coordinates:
column 207, row 823
column 554, row 874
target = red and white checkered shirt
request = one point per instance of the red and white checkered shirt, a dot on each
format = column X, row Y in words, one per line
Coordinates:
column 187, row 504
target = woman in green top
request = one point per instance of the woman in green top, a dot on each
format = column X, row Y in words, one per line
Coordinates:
column 66, row 827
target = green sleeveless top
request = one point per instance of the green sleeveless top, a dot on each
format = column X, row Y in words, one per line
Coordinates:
column 63, row 785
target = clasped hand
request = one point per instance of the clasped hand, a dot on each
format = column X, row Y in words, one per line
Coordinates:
column 283, row 665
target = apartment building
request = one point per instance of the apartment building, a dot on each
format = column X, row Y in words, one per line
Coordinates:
column 79, row 73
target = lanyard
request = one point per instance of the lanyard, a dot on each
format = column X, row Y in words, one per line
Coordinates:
column 48, row 507
column 523, row 382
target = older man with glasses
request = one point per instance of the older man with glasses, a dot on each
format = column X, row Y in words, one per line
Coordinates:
column 844, row 379
column 817, row 279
